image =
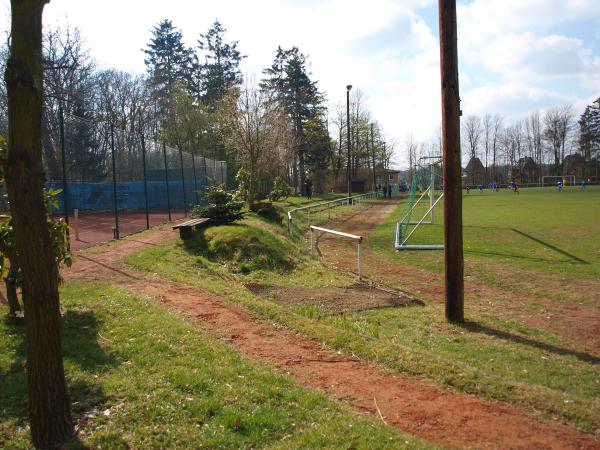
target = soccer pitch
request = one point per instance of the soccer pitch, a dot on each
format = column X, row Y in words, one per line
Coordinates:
column 538, row 229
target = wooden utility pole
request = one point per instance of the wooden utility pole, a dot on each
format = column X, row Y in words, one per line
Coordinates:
column 453, row 240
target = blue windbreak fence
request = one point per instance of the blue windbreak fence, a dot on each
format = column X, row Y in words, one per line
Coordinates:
column 87, row 197
column 122, row 181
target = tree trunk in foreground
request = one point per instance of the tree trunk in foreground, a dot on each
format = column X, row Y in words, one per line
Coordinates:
column 49, row 407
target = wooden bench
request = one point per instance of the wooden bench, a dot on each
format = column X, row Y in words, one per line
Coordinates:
column 186, row 228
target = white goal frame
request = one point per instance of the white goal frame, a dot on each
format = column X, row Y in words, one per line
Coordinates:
column 562, row 177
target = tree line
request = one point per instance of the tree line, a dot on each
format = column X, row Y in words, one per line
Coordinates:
column 197, row 99
column 552, row 143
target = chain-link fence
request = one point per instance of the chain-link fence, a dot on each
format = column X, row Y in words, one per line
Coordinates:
column 116, row 182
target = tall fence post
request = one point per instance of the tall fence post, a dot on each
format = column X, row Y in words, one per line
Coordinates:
column 183, row 183
column 114, row 171
column 61, row 120
column 167, row 179
column 145, row 181
column 205, row 171
column 195, row 178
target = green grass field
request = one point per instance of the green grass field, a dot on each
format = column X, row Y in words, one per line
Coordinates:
column 539, row 228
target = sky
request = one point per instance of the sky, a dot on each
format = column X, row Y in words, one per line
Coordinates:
column 515, row 56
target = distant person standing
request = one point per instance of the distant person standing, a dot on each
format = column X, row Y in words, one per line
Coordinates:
column 308, row 188
column 389, row 189
column 583, row 183
column 559, row 185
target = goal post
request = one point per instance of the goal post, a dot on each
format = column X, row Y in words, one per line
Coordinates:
column 550, row 180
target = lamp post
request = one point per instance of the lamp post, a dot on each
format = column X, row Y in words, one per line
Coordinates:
column 348, row 128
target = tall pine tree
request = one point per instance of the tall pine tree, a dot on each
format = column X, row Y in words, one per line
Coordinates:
column 221, row 67
column 168, row 61
column 589, row 134
column 288, row 79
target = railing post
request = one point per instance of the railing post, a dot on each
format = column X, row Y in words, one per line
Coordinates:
column 311, row 241
column 360, row 259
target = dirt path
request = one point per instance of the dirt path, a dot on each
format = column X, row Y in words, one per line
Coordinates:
column 412, row 405
column 577, row 324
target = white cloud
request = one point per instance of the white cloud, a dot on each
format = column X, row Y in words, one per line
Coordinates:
column 525, row 54
column 480, row 20
column 512, row 100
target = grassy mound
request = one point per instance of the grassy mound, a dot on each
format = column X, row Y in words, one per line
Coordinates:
column 244, row 247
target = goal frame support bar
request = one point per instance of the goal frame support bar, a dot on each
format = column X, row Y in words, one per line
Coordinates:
column 403, row 246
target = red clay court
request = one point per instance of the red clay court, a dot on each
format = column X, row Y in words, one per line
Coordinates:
column 96, row 227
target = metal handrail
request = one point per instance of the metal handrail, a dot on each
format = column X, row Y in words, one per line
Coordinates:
column 355, row 199
column 342, row 234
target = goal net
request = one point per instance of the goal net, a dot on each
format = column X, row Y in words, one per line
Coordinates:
column 551, row 180
column 420, row 207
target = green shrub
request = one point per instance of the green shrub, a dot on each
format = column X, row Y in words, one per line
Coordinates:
column 281, row 190
column 244, row 183
column 219, row 205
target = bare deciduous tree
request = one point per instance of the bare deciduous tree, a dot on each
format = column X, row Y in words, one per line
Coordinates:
column 471, row 132
column 557, row 128
column 258, row 130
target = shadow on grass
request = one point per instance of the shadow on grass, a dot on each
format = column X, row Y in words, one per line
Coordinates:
column 551, row 247
column 106, row 266
column 475, row 327
column 572, row 258
column 512, row 255
column 80, row 347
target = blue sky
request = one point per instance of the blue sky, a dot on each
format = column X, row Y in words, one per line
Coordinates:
column 516, row 56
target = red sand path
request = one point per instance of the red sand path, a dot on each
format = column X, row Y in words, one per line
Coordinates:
column 409, row 404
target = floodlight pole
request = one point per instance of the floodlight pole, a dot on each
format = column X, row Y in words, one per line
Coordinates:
column 453, row 238
column 373, row 155
column 348, row 168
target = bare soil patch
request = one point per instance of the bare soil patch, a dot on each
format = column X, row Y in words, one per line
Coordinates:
column 413, row 405
column 333, row 299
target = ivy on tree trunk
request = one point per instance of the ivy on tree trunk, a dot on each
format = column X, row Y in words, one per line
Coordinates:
column 48, row 400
